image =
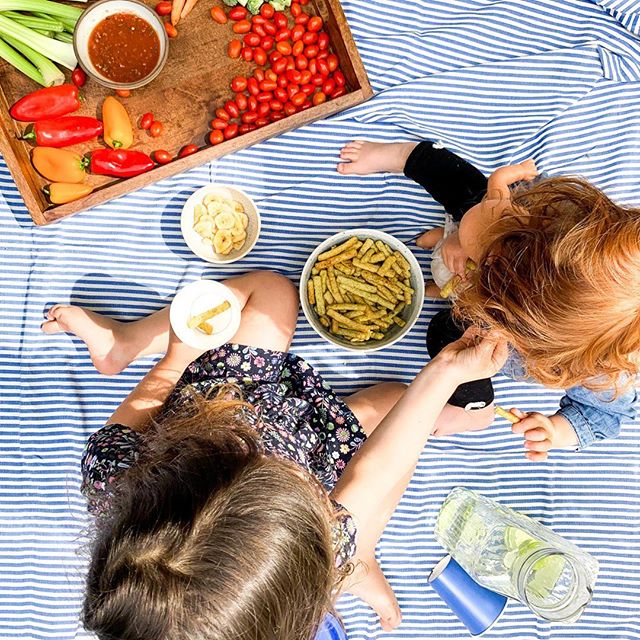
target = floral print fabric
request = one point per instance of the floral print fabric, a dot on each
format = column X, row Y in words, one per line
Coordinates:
column 297, row 415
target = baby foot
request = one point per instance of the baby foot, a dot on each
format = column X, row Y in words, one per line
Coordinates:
column 432, row 290
column 430, row 239
column 362, row 158
column 99, row 333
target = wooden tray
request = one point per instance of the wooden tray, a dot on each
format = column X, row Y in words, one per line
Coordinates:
column 194, row 82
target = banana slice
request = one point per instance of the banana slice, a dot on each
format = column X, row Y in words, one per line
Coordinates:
column 198, row 212
column 238, row 245
column 204, row 228
column 245, row 220
column 222, row 242
column 214, row 208
column 225, row 220
column 238, row 230
column 212, row 197
column 237, row 207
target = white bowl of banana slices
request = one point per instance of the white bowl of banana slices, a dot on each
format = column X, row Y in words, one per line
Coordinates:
column 220, row 224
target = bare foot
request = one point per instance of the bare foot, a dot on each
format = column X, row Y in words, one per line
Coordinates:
column 430, row 239
column 374, row 589
column 362, row 158
column 432, row 290
column 99, row 333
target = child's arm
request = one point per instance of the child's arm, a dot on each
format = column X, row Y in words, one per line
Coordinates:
column 382, row 468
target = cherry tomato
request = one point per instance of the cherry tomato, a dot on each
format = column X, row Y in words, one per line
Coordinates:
column 267, row 11
column 238, row 13
column 284, row 48
column 317, row 80
column 311, row 51
column 219, row 123
column 252, row 40
column 270, row 28
column 323, row 55
column 267, row 43
column 307, row 89
column 301, row 62
column 323, row 68
column 218, row 14
column 123, row 93
column 241, row 101
column 298, row 99
column 252, row 103
column 259, row 30
column 292, row 89
column 319, row 98
column 161, row 156
column 231, row 108
column 333, row 62
column 146, row 121
column 296, row 9
column 338, row 76
column 253, row 87
column 281, row 94
column 258, row 19
column 156, row 129
column 291, row 63
column 282, row 81
column 268, row 85
column 260, row 56
column 163, row 8
column 313, row 66
column 305, row 77
column 297, row 33
column 263, row 109
column 262, row 122
column 315, row 23
column 293, row 75
column 275, row 55
column 242, row 26
column 247, row 54
column 276, row 115
column 78, row 77
column 258, row 74
column 323, row 41
column 216, row 137
column 234, row 49
column 230, row 132
column 340, row 91
column 246, row 128
column 283, row 34
column 239, row 83
column 264, row 96
column 270, row 74
column 297, row 49
column 279, row 66
column 290, row 108
column 249, row 117
column 276, row 105
column 187, row 150
column 303, row 18
column 172, row 32
column 304, row 3
column 222, row 114
column 280, row 20
column 310, row 37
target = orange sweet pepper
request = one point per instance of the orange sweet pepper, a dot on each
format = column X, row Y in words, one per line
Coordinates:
column 118, row 132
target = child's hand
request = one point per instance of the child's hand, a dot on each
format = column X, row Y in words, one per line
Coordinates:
column 538, row 431
column 474, row 356
column 453, row 255
column 500, row 179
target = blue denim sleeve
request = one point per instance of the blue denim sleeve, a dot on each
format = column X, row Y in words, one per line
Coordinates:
column 597, row 415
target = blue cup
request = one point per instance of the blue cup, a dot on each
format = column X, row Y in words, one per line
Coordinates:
column 331, row 629
column 476, row 607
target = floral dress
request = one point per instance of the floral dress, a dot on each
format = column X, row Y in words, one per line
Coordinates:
column 297, row 415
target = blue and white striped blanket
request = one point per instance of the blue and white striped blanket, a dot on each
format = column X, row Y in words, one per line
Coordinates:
column 497, row 81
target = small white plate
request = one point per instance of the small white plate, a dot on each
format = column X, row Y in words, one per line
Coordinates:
column 196, row 298
column 194, row 240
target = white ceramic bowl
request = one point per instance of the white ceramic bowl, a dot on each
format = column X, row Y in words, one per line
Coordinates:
column 97, row 12
column 198, row 245
column 196, row 298
column 410, row 313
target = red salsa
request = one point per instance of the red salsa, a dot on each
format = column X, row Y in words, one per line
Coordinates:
column 124, row 48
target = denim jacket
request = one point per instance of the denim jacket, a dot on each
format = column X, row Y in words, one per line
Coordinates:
column 594, row 415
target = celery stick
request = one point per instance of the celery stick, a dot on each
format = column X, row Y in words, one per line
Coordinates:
column 64, row 37
column 42, row 32
column 42, row 6
column 20, row 63
column 38, row 24
column 50, row 74
column 59, row 52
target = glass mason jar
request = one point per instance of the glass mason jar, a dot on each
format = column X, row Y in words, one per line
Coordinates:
column 512, row 554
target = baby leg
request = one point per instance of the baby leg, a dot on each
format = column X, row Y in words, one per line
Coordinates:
column 113, row 345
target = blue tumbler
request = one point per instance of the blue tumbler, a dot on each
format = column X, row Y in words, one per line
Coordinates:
column 474, row 605
column 331, row 629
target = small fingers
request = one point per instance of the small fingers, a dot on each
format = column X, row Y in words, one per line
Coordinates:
column 536, row 456
column 539, row 434
column 545, row 445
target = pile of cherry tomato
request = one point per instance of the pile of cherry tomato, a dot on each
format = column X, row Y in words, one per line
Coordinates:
column 301, row 73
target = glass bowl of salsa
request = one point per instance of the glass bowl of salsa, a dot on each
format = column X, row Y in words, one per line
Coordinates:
column 121, row 44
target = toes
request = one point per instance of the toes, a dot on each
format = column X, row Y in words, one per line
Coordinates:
column 56, row 310
column 347, row 168
column 50, row 326
column 350, row 154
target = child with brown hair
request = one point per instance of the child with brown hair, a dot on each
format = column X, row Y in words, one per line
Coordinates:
column 236, row 493
column 558, row 276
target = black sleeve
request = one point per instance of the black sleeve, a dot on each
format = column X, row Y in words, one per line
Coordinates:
column 455, row 183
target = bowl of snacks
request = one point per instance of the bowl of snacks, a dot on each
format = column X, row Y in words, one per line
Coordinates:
column 362, row 290
column 205, row 314
column 220, row 224
column 121, row 44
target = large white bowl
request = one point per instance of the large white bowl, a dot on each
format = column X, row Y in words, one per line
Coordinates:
column 410, row 313
column 196, row 243
column 96, row 13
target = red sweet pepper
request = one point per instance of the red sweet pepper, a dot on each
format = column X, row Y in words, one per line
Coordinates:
column 62, row 132
column 50, row 102
column 120, row 163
